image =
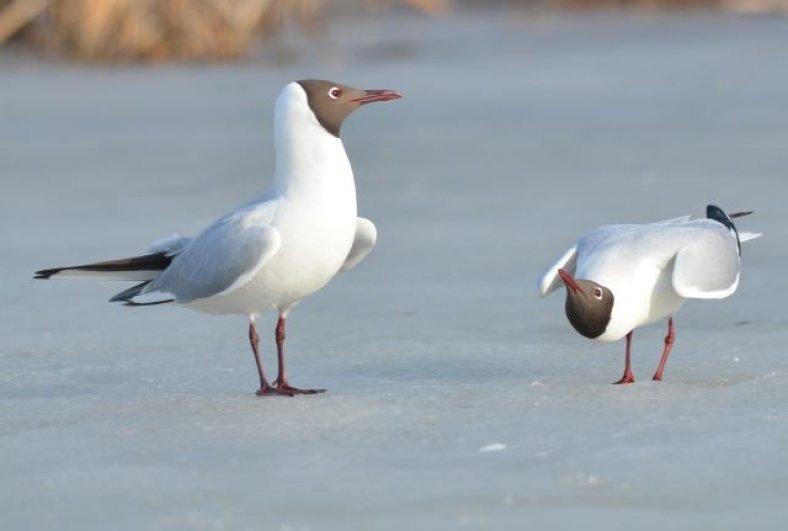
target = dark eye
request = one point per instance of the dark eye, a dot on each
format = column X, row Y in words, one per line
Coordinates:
column 334, row 93
column 598, row 293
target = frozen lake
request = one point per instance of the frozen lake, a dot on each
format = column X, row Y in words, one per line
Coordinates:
column 456, row 399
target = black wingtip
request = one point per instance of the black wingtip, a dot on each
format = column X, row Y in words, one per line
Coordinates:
column 126, row 295
column 154, row 303
column 46, row 273
column 151, row 262
column 735, row 215
column 717, row 214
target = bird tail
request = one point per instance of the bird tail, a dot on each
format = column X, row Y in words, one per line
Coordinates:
column 146, row 268
column 717, row 214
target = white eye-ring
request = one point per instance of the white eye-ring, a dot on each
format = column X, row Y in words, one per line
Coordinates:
column 598, row 293
column 334, row 93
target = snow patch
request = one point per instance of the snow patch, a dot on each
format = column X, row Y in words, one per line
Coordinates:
column 494, row 447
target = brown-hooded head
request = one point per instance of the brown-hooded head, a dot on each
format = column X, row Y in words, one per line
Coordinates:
column 589, row 305
column 333, row 102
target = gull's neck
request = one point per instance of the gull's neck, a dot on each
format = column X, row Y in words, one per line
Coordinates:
column 307, row 156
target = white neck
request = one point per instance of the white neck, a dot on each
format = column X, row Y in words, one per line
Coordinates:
column 308, row 158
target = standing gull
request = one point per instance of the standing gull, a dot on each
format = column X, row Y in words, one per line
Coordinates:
column 620, row 277
column 270, row 253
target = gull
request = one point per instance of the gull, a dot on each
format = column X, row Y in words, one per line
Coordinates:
column 620, row 277
column 272, row 252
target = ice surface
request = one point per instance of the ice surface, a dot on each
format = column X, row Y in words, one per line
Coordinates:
column 516, row 133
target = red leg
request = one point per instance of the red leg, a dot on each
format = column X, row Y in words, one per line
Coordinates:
column 281, row 380
column 629, row 376
column 265, row 387
column 669, row 340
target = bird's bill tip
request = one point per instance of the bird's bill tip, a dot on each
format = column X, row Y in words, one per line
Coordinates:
column 373, row 95
column 568, row 280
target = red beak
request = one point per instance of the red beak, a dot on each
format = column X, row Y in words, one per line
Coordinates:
column 569, row 280
column 377, row 95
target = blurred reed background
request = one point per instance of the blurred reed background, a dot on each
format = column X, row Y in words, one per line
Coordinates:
column 160, row 30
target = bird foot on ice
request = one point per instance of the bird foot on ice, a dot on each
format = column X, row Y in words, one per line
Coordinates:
column 626, row 379
column 289, row 389
column 269, row 390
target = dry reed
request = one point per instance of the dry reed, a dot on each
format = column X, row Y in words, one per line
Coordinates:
column 155, row 30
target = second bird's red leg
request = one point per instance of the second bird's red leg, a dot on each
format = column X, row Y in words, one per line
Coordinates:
column 629, row 376
column 669, row 340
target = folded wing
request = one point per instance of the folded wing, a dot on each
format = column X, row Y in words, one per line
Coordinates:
column 550, row 281
column 708, row 268
column 222, row 259
column 366, row 236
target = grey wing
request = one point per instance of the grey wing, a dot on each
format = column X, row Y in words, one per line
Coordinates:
column 550, row 281
column 707, row 268
column 366, row 236
column 223, row 258
column 171, row 245
column 673, row 221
